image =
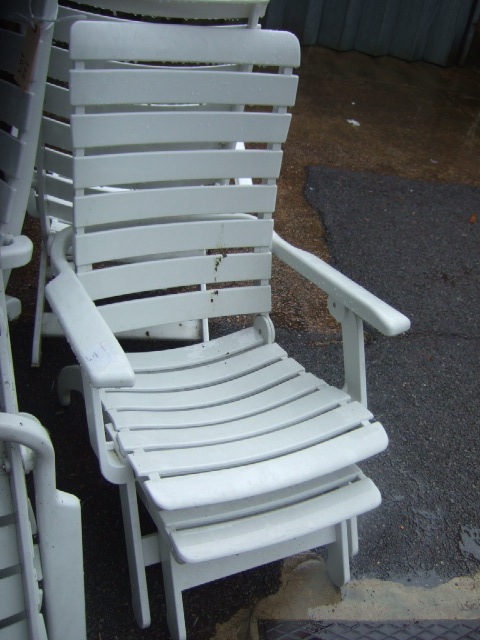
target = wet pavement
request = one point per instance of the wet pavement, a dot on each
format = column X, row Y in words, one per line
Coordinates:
column 407, row 121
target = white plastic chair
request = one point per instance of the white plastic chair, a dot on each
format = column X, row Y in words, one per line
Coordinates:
column 240, row 456
column 41, row 585
column 24, row 55
column 52, row 197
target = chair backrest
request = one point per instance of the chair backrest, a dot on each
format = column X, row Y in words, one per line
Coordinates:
column 24, row 55
column 54, row 159
column 177, row 196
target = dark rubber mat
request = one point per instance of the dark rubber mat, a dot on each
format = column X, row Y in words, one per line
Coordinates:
column 396, row 630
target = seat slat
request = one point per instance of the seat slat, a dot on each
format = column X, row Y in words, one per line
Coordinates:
column 254, row 382
column 202, row 544
column 132, row 168
column 184, row 519
column 241, row 420
column 135, row 314
column 176, row 272
column 101, row 130
column 240, row 482
column 129, row 242
column 279, row 441
column 145, row 204
column 229, row 367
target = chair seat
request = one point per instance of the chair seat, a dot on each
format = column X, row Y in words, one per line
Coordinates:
column 231, row 419
column 205, row 534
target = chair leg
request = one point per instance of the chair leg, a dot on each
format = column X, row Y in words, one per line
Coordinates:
column 173, row 595
column 39, row 307
column 338, row 560
column 136, row 563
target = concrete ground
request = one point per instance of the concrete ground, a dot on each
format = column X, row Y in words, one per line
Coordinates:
column 356, row 113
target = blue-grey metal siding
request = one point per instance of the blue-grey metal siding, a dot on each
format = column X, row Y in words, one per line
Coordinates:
column 437, row 31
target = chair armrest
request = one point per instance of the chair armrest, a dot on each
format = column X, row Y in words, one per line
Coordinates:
column 342, row 290
column 97, row 350
column 16, row 251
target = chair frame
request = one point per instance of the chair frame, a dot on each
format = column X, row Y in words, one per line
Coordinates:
column 269, row 514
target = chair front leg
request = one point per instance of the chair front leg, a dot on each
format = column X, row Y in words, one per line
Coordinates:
column 136, row 562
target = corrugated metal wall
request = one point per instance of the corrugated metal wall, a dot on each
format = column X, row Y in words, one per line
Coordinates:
column 438, row 31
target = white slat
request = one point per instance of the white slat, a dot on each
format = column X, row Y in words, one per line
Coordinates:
column 136, row 314
column 136, row 42
column 129, row 242
column 59, row 63
column 278, row 441
column 57, row 101
column 14, row 105
column 167, row 86
column 101, row 130
column 195, row 377
column 269, row 475
column 184, row 519
column 146, row 204
column 254, row 382
column 242, row 420
column 276, row 526
column 176, row 272
column 57, row 186
column 8, row 543
column 57, row 134
column 11, row 596
column 10, row 47
column 10, row 154
column 132, row 168
column 193, row 355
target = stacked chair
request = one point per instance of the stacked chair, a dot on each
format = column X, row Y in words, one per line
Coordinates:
column 25, row 38
column 41, row 583
column 240, row 456
column 52, row 193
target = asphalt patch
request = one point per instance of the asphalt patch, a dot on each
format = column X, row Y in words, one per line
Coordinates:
column 417, row 246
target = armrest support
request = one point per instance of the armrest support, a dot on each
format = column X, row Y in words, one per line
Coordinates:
column 350, row 304
column 341, row 289
column 97, row 350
